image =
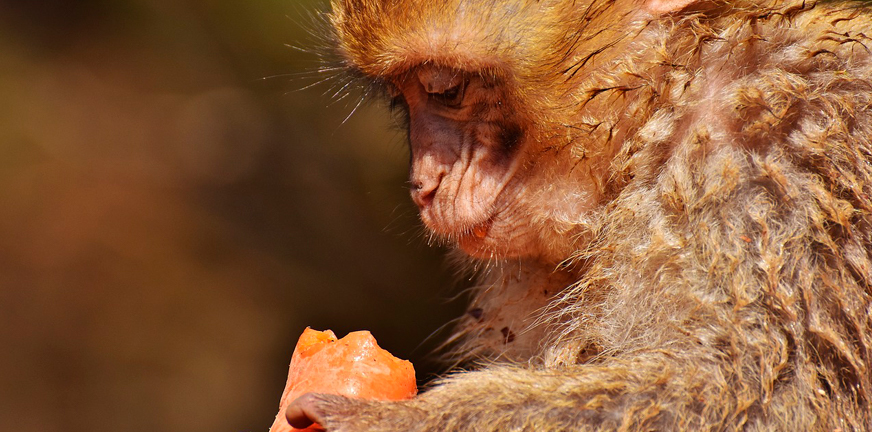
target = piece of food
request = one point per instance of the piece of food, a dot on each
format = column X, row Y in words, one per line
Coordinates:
column 353, row 366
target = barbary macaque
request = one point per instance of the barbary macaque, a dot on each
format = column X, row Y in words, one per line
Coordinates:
column 669, row 203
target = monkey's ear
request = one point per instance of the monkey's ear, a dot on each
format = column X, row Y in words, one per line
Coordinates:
column 660, row 7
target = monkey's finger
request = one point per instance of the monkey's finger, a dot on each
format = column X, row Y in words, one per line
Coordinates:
column 304, row 411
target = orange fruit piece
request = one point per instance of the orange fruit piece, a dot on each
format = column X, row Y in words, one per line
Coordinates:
column 354, row 366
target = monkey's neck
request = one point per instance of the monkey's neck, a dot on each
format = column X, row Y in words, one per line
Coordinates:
column 506, row 319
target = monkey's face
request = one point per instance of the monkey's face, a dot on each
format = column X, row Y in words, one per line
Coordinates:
column 473, row 176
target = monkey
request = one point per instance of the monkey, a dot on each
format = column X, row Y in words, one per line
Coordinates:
column 668, row 203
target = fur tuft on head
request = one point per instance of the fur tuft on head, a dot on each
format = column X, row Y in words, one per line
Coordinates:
column 434, row 31
column 473, row 35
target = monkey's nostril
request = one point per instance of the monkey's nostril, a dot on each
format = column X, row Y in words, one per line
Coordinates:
column 423, row 196
column 423, row 191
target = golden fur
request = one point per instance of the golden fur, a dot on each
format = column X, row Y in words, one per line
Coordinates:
column 724, row 280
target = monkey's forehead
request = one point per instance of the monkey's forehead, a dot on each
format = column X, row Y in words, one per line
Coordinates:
column 387, row 37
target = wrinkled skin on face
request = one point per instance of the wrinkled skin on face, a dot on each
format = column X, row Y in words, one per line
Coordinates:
column 473, row 165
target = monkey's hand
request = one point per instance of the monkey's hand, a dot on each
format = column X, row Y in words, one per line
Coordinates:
column 644, row 393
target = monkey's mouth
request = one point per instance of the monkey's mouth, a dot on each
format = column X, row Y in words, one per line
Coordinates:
column 476, row 241
column 481, row 231
column 472, row 237
column 476, row 230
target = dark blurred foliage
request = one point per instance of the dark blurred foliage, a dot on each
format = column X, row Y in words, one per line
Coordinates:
column 171, row 220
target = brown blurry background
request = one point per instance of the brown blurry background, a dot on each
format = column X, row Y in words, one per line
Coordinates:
column 170, row 220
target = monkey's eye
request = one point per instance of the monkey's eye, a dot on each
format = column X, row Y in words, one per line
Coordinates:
column 451, row 97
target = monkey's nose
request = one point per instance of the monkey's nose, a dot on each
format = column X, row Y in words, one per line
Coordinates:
column 424, row 190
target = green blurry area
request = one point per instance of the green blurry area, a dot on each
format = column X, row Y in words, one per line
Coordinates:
column 174, row 210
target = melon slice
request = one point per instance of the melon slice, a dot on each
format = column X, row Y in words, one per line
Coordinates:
column 354, row 366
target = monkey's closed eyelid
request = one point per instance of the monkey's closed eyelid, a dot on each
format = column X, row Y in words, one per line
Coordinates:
column 450, row 97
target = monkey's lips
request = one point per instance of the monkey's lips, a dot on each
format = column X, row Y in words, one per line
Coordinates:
column 469, row 235
column 479, row 240
column 480, row 231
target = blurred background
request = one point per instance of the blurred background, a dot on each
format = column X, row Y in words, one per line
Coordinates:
column 176, row 206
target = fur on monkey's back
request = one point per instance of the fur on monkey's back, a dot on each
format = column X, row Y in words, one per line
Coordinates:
column 736, row 237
